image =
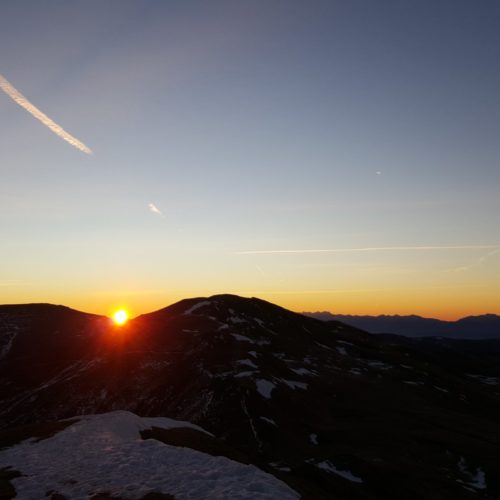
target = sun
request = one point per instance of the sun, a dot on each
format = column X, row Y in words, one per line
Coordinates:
column 120, row 317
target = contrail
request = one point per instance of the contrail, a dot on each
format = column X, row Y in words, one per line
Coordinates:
column 477, row 263
column 372, row 249
column 17, row 97
column 153, row 208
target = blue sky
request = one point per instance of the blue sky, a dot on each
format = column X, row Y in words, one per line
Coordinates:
column 252, row 126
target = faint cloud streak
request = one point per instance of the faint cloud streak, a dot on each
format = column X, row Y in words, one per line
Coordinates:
column 153, row 208
column 479, row 262
column 372, row 249
column 18, row 98
column 4, row 283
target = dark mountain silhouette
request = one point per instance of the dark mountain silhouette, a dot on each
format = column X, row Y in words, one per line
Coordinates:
column 329, row 409
column 486, row 326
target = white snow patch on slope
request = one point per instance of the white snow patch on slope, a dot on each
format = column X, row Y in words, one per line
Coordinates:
column 242, row 338
column 476, row 479
column 484, row 379
column 236, row 320
column 269, row 421
column 197, row 306
column 303, row 371
column 105, row 453
column 441, row 389
column 278, row 466
column 378, row 364
column 313, row 438
column 11, row 335
column 263, row 342
column 244, row 374
column 247, row 362
column 294, row 384
column 346, row 474
column 265, row 388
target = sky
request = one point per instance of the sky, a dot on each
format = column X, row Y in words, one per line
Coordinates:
column 322, row 155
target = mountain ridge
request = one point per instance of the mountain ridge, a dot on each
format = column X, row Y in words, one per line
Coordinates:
column 484, row 326
column 329, row 409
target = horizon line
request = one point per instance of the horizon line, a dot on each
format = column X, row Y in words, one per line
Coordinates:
column 302, row 312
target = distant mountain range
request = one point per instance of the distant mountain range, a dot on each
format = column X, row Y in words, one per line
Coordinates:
column 326, row 409
column 486, row 326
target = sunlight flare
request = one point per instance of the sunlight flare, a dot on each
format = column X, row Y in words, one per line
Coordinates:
column 120, row 317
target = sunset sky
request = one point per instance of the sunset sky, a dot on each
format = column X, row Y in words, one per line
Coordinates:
column 322, row 155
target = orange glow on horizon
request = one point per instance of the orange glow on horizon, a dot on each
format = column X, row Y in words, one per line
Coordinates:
column 445, row 303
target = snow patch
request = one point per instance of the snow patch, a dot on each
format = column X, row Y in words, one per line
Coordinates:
column 247, row 362
column 269, row 421
column 197, row 306
column 278, row 466
column 295, row 385
column 242, row 338
column 484, row 379
column 441, row 389
column 475, row 479
column 263, row 342
column 313, row 438
column 244, row 374
column 303, row 371
column 8, row 345
column 323, row 345
column 235, row 320
column 346, row 474
column 378, row 364
column 104, row 453
column 265, row 388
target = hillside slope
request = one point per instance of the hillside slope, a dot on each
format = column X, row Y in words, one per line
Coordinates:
column 332, row 411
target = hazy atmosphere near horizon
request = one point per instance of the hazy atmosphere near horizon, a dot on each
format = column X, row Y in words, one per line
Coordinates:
column 322, row 155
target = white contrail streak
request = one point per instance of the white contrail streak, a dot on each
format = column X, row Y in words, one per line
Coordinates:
column 153, row 208
column 17, row 97
column 479, row 262
column 372, row 249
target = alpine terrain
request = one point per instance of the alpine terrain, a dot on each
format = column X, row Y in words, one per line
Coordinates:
column 229, row 397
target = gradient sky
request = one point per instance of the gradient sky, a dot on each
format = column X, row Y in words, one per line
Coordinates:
column 253, row 126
